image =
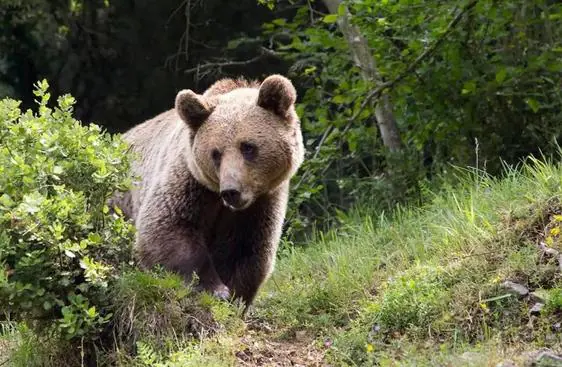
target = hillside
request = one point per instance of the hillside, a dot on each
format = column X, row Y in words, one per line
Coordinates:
column 395, row 251
column 472, row 278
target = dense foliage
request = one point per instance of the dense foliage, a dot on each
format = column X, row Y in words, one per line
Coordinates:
column 466, row 82
column 472, row 83
column 124, row 61
column 60, row 248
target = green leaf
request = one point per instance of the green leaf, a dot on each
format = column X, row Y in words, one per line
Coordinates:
column 6, row 201
column 309, row 70
column 32, row 202
column 500, row 75
column 341, row 9
column 338, row 99
column 330, row 18
column 279, row 21
column 533, row 103
column 469, row 87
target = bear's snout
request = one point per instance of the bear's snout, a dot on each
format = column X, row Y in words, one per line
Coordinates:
column 231, row 197
column 235, row 199
column 234, row 184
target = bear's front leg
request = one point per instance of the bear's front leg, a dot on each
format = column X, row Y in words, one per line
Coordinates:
column 245, row 245
column 255, row 239
column 181, row 250
column 250, row 273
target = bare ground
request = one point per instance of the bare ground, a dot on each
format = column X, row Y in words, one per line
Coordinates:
column 261, row 347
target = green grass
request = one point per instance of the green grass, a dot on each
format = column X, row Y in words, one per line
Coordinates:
column 420, row 287
column 157, row 321
column 426, row 282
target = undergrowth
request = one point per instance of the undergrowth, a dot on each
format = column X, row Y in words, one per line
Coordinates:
column 430, row 279
column 422, row 286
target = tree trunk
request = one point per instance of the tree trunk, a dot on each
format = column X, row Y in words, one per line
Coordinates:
column 362, row 57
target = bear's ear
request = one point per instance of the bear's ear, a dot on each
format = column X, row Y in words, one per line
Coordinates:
column 277, row 94
column 192, row 108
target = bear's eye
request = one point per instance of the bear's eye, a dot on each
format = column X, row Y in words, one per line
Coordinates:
column 216, row 156
column 248, row 150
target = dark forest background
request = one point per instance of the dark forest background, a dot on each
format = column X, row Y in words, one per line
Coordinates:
column 392, row 94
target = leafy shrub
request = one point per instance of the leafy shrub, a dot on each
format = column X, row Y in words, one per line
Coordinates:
column 414, row 298
column 59, row 244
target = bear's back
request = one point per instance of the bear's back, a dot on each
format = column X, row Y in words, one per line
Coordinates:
column 157, row 146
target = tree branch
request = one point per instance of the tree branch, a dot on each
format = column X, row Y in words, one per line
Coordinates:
column 187, row 28
column 185, row 37
column 264, row 52
column 377, row 92
column 174, row 12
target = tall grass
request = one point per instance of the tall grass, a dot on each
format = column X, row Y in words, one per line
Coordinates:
column 421, row 286
column 429, row 275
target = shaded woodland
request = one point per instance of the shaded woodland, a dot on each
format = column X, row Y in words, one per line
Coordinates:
column 390, row 92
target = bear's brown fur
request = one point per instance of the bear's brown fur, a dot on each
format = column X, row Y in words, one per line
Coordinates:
column 214, row 182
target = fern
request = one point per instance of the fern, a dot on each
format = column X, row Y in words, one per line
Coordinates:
column 146, row 354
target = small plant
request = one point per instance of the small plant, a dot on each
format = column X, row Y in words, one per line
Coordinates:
column 60, row 247
column 554, row 300
column 413, row 299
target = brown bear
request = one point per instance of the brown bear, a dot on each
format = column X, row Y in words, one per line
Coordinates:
column 213, row 183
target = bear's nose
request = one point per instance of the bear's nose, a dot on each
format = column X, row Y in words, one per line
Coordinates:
column 231, row 197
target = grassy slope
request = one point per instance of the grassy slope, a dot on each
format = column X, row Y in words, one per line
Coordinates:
column 421, row 288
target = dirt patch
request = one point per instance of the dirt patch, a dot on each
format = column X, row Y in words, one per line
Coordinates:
column 260, row 346
column 5, row 347
column 262, row 352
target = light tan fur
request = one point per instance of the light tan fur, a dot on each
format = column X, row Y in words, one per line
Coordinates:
column 214, row 183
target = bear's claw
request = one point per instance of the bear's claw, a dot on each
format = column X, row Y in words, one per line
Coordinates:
column 222, row 292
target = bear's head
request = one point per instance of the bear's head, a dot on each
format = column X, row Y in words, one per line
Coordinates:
column 245, row 139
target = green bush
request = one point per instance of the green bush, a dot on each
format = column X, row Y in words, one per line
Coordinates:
column 413, row 299
column 60, row 246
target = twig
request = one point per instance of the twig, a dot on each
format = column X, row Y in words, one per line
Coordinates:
column 318, row 147
column 202, row 67
column 322, row 140
column 187, row 27
column 184, row 39
column 174, row 12
column 177, row 54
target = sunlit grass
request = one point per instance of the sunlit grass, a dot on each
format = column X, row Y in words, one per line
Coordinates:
column 420, row 287
column 427, row 278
